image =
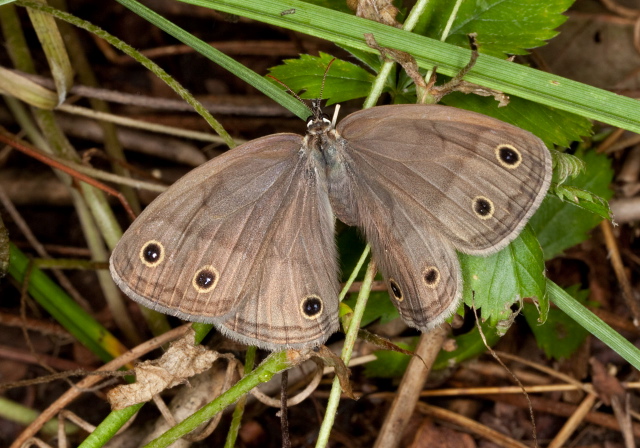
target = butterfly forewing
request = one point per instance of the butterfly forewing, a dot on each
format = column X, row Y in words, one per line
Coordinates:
column 475, row 179
column 218, row 240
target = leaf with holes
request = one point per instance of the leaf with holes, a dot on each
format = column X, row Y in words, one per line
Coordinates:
column 494, row 283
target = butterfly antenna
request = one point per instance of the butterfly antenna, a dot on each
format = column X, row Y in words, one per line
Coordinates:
column 324, row 77
column 295, row 95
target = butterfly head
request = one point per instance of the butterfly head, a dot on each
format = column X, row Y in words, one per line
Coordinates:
column 319, row 122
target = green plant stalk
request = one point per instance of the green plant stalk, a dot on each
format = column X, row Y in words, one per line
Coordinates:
column 67, row 312
column 201, row 331
column 593, row 324
column 378, row 85
column 54, row 50
column 20, row 414
column 147, row 63
column 495, row 73
column 109, row 426
column 276, row 362
column 232, row 435
column 354, row 273
column 86, row 76
column 350, row 339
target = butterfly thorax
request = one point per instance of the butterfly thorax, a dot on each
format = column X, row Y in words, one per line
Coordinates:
column 325, row 145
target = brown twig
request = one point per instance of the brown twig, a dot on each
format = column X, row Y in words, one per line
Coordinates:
column 12, row 140
column 412, row 383
column 39, row 248
column 86, row 383
column 618, row 268
column 471, row 425
column 572, row 423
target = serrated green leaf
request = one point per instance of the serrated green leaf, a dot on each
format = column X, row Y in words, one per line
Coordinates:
column 494, row 283
column 560, row 225
column 554, row 127
column 565, row 166
column 344, row 81
column 371, row 60
column 583, row 199
column 503, row 26
column 560, row 336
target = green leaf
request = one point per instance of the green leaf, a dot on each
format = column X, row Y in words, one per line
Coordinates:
column 350, row 247
column 468, row 345
column 560, row 225
column 348, row 30
column 371, row 60
column 593, row 324
column 336, row 5
column 553, row 126
column 344, row 80
column 583, row 199
column 495, row 282
column 566, row 165
column 379, row 307
column 503, row 26
column 390, row 364
column 560, row 336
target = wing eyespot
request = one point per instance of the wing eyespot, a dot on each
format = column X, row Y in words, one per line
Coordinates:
column 152, row 253
column 431, row 276
column 395, row 290
column 311, row 307
column 483, row 207
column 205, row 279
column 508, row 156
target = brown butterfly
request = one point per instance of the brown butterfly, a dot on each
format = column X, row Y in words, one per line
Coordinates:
column 246, row 241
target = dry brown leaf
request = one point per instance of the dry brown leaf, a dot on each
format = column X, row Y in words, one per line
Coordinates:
column 182, row 360
column 381, row 11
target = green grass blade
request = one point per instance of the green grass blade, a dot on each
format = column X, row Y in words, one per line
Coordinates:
column 593, row 324
column 514, row 79
column 242, row 72
column 68, row 313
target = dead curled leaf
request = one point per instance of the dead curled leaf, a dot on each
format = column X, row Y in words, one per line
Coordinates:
column 182, row 360
column 382, row 11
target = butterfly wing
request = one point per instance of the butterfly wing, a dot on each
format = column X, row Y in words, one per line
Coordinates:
column 476, row 179
column 425, row 180
column 232, row 243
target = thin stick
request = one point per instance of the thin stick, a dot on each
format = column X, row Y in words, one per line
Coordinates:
column 11, row 140
column 86, row 383
column 412, row 383
column 284, row 419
